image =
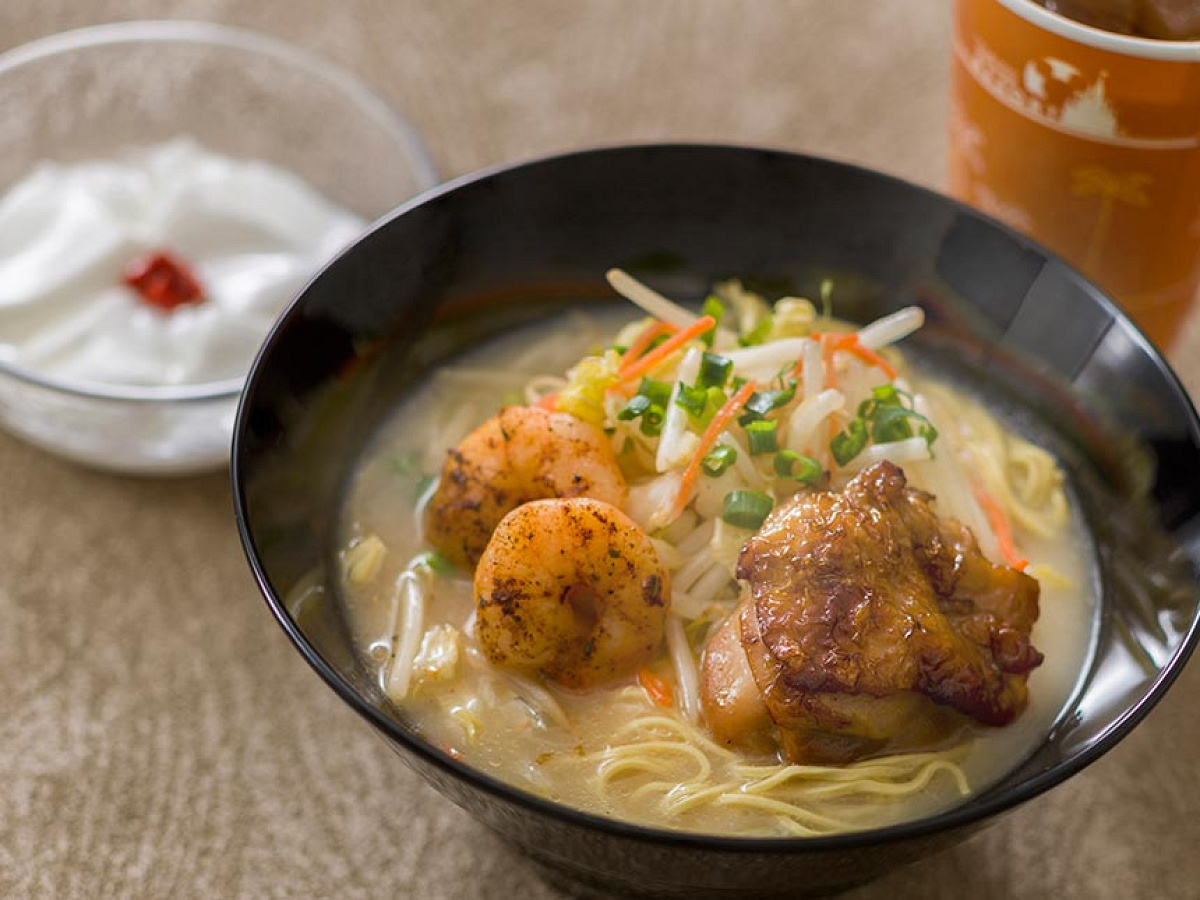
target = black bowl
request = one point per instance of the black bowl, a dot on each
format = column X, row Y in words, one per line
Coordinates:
column 498, row 249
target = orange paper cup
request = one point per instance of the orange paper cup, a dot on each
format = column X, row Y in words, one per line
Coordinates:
column 1087, row 141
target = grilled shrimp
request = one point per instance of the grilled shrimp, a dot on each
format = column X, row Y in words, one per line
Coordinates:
column 573, row 589
column 524, row 453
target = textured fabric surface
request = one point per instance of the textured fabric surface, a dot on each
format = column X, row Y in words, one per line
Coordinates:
column 160, row 738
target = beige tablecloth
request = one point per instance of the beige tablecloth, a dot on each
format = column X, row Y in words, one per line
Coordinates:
column 158, row 735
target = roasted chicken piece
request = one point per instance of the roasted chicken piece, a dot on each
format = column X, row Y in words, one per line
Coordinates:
column 869, row 626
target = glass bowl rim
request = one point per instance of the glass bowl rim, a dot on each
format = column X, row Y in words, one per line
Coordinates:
column 186, row 31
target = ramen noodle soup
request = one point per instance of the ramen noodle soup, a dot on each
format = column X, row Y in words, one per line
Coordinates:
column 742, row 573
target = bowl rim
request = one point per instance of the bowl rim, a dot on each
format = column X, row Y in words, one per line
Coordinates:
column 976, row 811
column 188, row 31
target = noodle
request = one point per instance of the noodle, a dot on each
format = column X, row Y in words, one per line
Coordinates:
column 640, row 763
column 1024, row 478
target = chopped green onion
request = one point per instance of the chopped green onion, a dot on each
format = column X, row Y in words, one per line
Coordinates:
column 790, row 464
column 715, row 308
column 763, row 437
column 758, row 334
column 714, row 399
column 736, row 384
column 782, row 377
column 636, row 406
column 436, row 561
column 890, row 419
column 714, row 370
column 890, row 423
column 642, row 407
column 762, row 402
column 652, row 420
column 747, row 509
column 718, row 460
column 658, row 391
column 849, row 442
column 691, row 399
column 886, row 393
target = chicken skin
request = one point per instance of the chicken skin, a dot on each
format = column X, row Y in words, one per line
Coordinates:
column 869, row 626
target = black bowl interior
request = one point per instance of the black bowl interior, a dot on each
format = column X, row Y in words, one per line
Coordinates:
column 502, row 249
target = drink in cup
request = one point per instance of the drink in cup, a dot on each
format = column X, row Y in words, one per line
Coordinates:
column 1088, row 139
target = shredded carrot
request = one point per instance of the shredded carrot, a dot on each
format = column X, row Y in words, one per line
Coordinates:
column 999, row 522
column 656, row 688
column 644, row 340
column 548, row 401
column 666, row 348
column 871, row 358
column 723, row 417
column 832, row 343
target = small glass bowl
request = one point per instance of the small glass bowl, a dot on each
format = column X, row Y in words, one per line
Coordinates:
column 93, row 93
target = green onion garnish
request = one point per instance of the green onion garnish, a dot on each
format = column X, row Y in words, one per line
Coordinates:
column 715, row 308
column 758, row 334
column 658, row 391
column 714, row 399
column 890, row 423
column 714, row 370
column 885, row 393
column 642, row 407
column 790, row 464
column 437, row 562
column 849, row 442
column 718, row 460
column 691, row 399
column 637, row 405
column 762, row 435
column 652, row 420
column 891, row 419
column 747, row 509
column 762, row 402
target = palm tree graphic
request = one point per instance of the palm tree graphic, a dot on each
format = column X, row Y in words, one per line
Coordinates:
column 1111, row 188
